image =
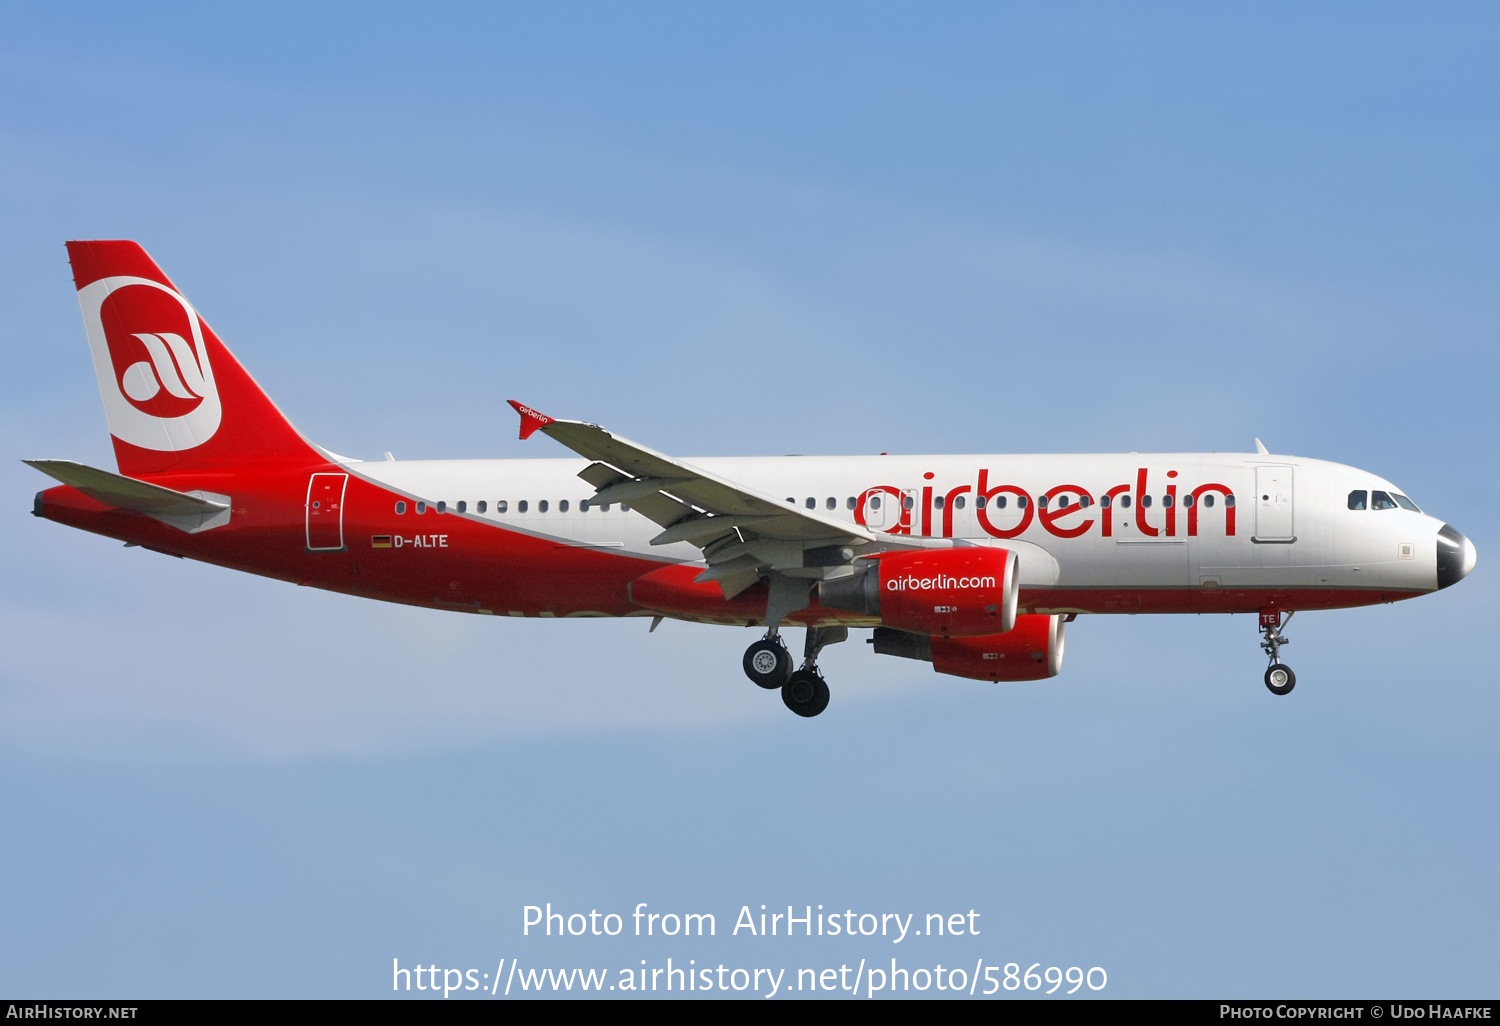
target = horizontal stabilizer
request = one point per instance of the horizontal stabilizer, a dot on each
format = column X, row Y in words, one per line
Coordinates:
column 187, row 511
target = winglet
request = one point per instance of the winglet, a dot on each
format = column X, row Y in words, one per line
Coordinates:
column 530, row 419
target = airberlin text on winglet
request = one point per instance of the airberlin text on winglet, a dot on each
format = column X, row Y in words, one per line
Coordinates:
column 531, row 420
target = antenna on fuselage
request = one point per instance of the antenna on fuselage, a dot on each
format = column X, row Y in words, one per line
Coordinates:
column 1260, row 447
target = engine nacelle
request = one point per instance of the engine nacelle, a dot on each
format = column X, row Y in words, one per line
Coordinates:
column 957, row 593
column 1032, row 650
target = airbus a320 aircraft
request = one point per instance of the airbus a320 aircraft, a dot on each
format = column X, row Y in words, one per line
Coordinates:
column 972, row 563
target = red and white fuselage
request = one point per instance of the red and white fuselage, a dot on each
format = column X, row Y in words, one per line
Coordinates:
column 1299, row 548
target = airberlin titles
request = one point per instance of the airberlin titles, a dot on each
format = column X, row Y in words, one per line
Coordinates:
column 1056, row 519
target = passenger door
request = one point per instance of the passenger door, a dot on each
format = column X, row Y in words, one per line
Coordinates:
column 1274, row 521
column 325, row 512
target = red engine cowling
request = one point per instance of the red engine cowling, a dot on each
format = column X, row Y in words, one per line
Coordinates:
column 952, row 593
column 1033, row 650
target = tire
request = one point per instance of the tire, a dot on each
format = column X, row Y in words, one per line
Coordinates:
column 1280, row 679
column 768, row 664
column 806, row 694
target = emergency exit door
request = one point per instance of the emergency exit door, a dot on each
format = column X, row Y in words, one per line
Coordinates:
column 325, row 512
column 1273, row 505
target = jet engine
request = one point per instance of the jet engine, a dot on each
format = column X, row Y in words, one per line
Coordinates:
column 957, row 593
column 1033, row 650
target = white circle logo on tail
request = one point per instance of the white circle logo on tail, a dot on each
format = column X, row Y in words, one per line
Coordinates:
column 152, row 364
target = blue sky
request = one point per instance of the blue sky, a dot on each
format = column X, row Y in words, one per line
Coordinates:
column 742, row 230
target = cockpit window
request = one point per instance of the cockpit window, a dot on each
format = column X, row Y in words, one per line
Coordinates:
column 1380, row 500
column 1405, row 502
column 1357, row 498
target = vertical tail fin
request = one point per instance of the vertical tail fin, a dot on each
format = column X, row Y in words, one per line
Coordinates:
column 176, row 399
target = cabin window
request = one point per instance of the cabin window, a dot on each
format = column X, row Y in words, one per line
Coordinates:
column 421, row 507
column 1085, row 501
column 1124, row 502
column 1208, row 500
column 958, row 502
column 980, row 502
column 482, row 506
column 1001, row 501
column 874, row 502
column 604, row 507
column 442, row 506
column 583, row 505
column 501, row 505
column 1042, row 502
column 624, row 508
column 562, row 507
column 832, row 503
column 1380, row 500
column 1358, row 498
column 1021, row 501
column 400, row 508
column 791, row 501
column 1405, row 502
column 1187, row 500
column 907, row 502
column 937, row 503
column 811, row 503
column 1146, row 501
column 1229, row 500
column 1166, row 500
column 1104, row 502
column 522, row 506
column 850, row 502
column 541, row 506
column 463, row 505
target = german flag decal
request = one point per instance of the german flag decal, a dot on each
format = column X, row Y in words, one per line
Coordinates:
column 380, row 541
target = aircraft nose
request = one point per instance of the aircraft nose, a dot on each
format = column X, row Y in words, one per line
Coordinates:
column 1456, row 556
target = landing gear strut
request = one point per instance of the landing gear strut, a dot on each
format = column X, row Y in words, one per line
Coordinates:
column 1279, row 677
column 806, row 693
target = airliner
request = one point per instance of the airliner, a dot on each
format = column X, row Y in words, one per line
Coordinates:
column 974, row 563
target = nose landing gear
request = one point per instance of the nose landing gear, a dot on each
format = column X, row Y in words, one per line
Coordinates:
column 1279, row 677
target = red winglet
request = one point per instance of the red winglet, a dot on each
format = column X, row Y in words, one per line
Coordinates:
column 530, row 419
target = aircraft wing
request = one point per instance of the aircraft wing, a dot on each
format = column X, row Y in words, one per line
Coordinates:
column 743, row 532
column 187, row 511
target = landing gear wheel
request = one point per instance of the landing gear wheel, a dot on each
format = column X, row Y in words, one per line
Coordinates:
column 1280, row 679
column 768, row 663
column 805, row 694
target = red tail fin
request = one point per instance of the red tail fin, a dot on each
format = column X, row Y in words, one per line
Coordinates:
column 174, row 396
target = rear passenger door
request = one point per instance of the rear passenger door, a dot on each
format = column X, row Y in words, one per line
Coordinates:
column 1274, row 514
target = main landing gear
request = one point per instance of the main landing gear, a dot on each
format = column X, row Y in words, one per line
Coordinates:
column 769, row 664
column 1279, row 677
